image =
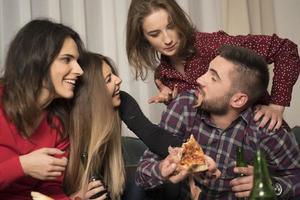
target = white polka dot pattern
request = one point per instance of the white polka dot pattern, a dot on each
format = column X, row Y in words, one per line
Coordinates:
column 282, row 52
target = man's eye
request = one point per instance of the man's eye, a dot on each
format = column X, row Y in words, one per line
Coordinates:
column 213, row 78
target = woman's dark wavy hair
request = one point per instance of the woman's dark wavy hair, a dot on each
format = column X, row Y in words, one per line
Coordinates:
column 27, row 65
column 140, row 54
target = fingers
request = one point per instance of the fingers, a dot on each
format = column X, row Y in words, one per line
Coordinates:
column 244, row 170
column 62, row 162
column 162, row 97
column 242, row 186
column 153, row 99
column 94, row 184
column 243, row 194
column 195, row 190
column 278, row 124
column 52, row 151
column 258, row 114
column 264, row 120
column 167, row 168
column 213, row 171
column 272, row 123
column 179, row 177
column 94, row 188
column 57, row 169
column 53, row 175
column 241, row 180
column 275, row 122
column 165, row 94
column 175, row 92
column 272, row 114
column 58, row 157
column 211, row 163
column 160, row 85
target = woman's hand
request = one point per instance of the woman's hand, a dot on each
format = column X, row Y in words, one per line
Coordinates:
column 94, row 187
column 165, row 94
column 272, row 114
column 43, row 164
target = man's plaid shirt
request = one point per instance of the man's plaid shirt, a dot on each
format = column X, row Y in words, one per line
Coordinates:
column 181, row 119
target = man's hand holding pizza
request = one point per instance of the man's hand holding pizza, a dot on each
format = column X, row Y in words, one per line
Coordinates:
column 168, row 168
column 189, row 159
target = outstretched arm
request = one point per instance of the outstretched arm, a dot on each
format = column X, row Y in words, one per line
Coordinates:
column 156, row 138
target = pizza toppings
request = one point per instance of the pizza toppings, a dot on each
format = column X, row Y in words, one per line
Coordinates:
column 192, row 156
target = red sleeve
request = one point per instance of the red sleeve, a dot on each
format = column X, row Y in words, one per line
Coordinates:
column 283, row 53
column 10, row 170
column 10, row 166
column 54, row 188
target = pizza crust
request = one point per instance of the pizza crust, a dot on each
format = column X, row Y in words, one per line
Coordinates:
column 39, row 196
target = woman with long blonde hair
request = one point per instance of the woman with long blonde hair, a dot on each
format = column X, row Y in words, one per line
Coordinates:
column 95, row 133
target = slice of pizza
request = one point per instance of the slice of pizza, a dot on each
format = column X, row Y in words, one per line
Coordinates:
column 39, row 196
column 192, row 157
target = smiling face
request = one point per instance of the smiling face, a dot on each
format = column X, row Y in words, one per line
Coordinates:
column 64, row 72
column 215, row 86
column 113, row 84
column 161, row 33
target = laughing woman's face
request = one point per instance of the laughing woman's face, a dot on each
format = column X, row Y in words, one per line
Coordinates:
column 64, row 72
column 113, row 84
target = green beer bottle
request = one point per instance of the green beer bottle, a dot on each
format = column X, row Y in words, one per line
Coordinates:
column 241, row 162
column 262, row 187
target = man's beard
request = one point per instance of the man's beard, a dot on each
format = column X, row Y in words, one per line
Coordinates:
column 217, row 106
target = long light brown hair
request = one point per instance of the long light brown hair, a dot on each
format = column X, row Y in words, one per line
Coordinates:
column 141, row 55
column 94, row 128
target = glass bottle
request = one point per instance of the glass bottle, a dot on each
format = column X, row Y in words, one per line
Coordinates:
column 262, row 187
column 241, row 162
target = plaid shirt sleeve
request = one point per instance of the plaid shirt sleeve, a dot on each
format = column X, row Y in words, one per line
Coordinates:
column 283, row 157
column 176, row 119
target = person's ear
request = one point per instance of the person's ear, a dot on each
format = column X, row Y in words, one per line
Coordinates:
column 238, row 100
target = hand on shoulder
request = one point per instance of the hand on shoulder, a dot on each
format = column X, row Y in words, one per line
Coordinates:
column 269, row 115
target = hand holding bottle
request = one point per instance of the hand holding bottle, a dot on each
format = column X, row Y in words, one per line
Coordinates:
column 242, row 185
column 97, row 189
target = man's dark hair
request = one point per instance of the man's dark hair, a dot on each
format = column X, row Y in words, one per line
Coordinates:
column 252, row 75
